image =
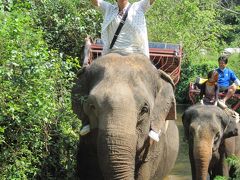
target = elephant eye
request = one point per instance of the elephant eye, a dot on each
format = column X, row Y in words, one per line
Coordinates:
column 216, row 138
column 144, row 109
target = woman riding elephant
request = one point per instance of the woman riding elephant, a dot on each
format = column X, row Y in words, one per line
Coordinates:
column 212, row 134
column 124, row 98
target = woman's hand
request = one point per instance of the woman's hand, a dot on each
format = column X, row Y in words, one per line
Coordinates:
column 95, row 2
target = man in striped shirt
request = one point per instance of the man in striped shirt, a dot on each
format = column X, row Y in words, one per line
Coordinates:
column 133, row 36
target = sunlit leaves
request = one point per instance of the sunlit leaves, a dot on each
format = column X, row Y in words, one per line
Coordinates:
column 34, row 101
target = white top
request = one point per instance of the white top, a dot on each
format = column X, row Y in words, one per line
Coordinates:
column 133, row 36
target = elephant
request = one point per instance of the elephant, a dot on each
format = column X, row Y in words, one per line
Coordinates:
column 212, row 135
column 123, row 98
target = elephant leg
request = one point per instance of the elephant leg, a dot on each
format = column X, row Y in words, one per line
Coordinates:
column 172, row 139
column 225, row 168
column 229, row 146
column 217, row 169
column 163, row 155
column 229, row 149
column 192, row 162
column 170, row 142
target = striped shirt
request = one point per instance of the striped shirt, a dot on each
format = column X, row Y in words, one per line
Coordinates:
column 133, row 36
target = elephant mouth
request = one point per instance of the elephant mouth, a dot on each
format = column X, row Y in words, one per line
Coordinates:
column 142, row 153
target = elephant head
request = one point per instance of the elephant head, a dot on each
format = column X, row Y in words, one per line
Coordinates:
column 206, row 127
column 123, row 98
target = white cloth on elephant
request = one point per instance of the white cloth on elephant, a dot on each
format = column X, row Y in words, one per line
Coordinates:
column 133, row 37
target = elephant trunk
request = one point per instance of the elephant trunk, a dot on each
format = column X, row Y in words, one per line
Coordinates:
column 202, row 155
column 117, row 138
column 116, row 152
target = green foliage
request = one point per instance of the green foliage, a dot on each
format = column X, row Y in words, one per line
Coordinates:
column 230, row 14
column 38, row 132
column 220, row 178
column 66, row 23
column 195, row 24
column 234, row 62
column 235, row 162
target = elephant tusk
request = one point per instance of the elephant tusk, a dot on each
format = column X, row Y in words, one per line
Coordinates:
column 155, row 136
column 85, row 130
column 166, row 126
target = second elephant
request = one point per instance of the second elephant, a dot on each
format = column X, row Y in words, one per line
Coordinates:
column 212, row 135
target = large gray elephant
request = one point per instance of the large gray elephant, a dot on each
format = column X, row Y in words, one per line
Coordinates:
column 212, row 134
column 123, row 98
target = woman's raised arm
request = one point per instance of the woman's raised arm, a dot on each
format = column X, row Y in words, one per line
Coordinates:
column 151, row 2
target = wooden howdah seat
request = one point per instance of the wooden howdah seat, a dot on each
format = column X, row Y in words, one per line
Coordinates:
column 164, row 56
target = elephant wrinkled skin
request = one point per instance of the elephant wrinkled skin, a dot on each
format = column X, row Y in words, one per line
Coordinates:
column 123, row 98
column 212, row 136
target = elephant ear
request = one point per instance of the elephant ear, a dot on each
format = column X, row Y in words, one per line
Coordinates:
column 186, row 120
column 166, row 77
column 79, row 94
column 165, row 103
column 172, row 115
column 229, row 124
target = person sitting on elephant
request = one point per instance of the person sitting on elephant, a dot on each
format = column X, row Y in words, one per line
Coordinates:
column 209, row 89
column 227, row 80
column 133, row 36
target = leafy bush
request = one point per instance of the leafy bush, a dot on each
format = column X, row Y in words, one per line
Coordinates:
column 235, row 162
column 233, row 63
column 195, row 24
column 66, row 23
column 220, row 178
column 38, row 132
